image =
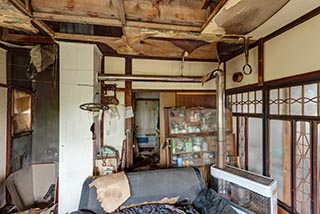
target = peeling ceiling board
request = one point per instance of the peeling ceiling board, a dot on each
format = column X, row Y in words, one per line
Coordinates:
column 242, row 16
column 12, row 18
column 146, row 28
column 179, row 12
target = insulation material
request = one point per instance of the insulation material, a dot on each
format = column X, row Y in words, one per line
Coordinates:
column 112, row 190
column 43, row 56
column 21, row 112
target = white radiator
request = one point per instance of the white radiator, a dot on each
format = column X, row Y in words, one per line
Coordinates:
column 249, row 190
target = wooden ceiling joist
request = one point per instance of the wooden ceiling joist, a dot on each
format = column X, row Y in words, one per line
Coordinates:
column 28, row 39
column 77, row 19
column 157, row 26
column 122, row 15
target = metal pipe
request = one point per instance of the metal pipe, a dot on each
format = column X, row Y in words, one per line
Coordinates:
column 146, row 78
column 220, row 103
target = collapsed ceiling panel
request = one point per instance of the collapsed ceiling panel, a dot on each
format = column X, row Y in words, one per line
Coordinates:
column 12, row 18
column 153, row 28
column 242, row 16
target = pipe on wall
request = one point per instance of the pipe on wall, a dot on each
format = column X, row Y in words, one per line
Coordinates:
column 117, row 77
column 220, row 103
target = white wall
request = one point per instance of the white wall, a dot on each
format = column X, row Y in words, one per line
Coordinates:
column 294, row 52
column 3, row 125
column 291, row 53
column 75, row 141
column 236, row 64
column 116, row 65
column 172, row 68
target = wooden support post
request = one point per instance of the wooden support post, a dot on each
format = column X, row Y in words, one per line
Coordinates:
column 167, row 99
column 260, row 61
column 129, row 121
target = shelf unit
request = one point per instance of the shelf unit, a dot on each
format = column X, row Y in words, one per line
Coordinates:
column 191, row 133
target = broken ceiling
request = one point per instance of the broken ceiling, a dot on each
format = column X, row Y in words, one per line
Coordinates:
column 151, row 28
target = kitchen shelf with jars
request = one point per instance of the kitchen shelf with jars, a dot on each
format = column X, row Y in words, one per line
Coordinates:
column 192, row 133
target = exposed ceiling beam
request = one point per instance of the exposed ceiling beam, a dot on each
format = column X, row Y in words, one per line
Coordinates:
column 122, row 15
column 171, row 27
column 20, row 38
column 43, row 27
column 76, row 19
column 27, row 5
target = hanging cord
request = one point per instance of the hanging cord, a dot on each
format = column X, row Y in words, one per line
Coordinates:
column 184, row 54
column 247, row 69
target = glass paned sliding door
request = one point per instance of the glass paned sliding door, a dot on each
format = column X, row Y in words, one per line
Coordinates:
column 280, row 158
column 255, row 145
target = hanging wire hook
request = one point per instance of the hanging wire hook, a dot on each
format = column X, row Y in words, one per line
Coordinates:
column 184, row 54
column 247, row 68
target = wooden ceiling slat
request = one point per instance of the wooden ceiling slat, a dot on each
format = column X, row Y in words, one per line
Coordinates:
column 178, row 12
column 162, row 26
column 171, row 13
column 96, row 8
column 77, row 19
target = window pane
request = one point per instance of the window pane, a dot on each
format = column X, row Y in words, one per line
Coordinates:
column 296, row 98
column 274, row 101
column 245, row 102
column 303, row 167
column 259, row 98
column 234, row 100
column 252, row 99
column 284, row 101
column 239, row 99
column 255, row 145
column 310, row 100
column 280, row 160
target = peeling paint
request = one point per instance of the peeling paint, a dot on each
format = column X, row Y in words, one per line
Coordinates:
column 231, row 3
column 213, row 28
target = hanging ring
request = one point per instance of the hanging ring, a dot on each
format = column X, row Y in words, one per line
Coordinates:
column 247, row 69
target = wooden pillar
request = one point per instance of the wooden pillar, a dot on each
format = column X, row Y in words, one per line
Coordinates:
column 167, row 99
column 129, row 121
column 260, row 61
